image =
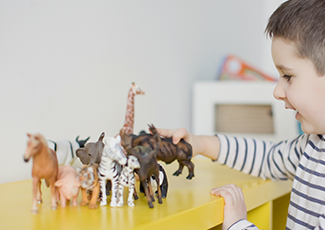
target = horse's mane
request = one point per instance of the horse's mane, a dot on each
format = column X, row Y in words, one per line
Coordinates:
column 41, row 139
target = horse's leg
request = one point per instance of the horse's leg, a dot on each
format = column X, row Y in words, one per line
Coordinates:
column 102, row 181
column 39, row 192
column 146, row 191
column 180, row 169
column 36, row 182
column 158, row 187
column 53, row 196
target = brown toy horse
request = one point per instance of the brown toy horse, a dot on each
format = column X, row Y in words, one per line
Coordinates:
column 45, row 166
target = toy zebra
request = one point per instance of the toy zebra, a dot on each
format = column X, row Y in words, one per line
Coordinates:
column 110, row 168
column 127, row 179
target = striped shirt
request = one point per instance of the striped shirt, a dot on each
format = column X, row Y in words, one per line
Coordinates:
column 301, row 160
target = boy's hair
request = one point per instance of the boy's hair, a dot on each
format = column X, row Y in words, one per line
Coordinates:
column 303, row 23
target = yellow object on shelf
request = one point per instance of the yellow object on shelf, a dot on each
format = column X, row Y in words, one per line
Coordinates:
column 188, row 205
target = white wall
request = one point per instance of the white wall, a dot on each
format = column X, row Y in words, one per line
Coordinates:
column 66, row 65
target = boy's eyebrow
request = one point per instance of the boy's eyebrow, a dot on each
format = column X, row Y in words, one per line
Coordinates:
column 283, row 67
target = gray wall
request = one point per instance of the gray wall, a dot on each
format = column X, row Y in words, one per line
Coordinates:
column 66, row 66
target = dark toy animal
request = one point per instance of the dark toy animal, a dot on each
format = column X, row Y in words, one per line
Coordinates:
column 168, row 152
column 162, row 180
column 92, row 152
column 148, row 164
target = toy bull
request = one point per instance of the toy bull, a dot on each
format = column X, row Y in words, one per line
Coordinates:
column 168, row 152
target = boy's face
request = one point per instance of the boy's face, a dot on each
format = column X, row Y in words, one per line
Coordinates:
column 299, row 86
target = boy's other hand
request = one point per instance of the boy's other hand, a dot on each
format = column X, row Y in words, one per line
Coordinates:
column 235, row 208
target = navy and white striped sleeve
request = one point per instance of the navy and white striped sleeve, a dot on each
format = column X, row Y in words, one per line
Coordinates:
column 277, row 161
column 243, row 225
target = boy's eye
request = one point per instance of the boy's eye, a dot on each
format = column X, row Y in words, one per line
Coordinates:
column 287, row 77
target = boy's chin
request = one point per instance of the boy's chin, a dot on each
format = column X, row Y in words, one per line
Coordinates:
column 311, row 130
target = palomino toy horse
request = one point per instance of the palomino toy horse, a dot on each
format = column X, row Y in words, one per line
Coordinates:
column 45, row 166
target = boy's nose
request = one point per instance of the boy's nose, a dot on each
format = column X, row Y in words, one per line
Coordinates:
column 279, row 92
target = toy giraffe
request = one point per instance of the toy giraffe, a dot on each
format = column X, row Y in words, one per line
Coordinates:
column 129, row 116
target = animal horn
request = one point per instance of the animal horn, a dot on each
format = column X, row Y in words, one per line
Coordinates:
column 102, row 135
column 77, row 138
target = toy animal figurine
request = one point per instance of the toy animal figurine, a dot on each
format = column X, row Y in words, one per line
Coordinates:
column 92, row 152
column 129, row 115
column 88, row 178
column 148, row 164
column 163, row 182
column 66, row 151
column 110, row 167
column 127, row 179
column 68, row 185
column 168, row 152
column 45, row 166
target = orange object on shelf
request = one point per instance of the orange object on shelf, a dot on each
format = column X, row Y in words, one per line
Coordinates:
column 234, row 68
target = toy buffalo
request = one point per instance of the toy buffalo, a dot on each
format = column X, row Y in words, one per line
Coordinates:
column 168, row 152
column 148, row 164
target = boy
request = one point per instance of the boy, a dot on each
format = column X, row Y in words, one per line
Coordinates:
column 297, row 29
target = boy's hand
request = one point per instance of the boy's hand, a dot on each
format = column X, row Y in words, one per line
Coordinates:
column 176, row 134
column 235, row 208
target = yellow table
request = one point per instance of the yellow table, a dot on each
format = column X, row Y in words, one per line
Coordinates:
column 188, row 205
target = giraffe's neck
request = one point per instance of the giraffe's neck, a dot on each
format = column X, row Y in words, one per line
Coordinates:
column 129, row 116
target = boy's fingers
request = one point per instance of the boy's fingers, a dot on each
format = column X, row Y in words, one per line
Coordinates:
column 176, row 134
column 166, row 132
column 228, row 192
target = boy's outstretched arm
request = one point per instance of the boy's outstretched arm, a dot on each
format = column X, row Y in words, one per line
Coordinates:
column 208, row 146
column 235, row 213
